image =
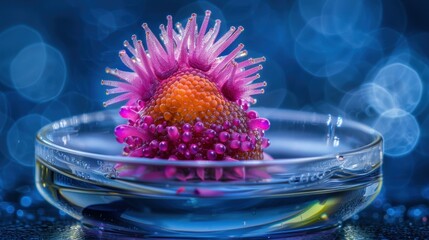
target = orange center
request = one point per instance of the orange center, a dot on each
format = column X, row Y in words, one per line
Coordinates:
column 185, row 97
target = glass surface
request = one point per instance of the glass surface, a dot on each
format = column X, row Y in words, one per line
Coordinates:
column 323, row 170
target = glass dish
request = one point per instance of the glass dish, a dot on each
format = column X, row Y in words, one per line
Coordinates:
column 323, row 170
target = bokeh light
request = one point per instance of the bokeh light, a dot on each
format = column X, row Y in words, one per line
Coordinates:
column 38, row 72
column 402, row 82
column 12, row 41
column 21, row 136
column 400, row 131
column 329, row 54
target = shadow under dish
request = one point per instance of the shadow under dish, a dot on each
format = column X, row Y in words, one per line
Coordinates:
column 323, row 170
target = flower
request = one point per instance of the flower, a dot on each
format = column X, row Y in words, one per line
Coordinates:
column 186, row 101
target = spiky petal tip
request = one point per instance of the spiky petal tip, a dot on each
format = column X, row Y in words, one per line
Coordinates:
column 184, row 48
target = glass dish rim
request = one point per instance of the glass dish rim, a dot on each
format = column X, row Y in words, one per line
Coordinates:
column 86, row 118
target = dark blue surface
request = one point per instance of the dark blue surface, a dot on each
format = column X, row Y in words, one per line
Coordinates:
column 366, row 60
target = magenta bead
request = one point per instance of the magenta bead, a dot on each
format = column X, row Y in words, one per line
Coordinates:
column 211, row 155
column 147, row 152
column 198, row 127
column 127, row 150
column 220, row 148
column 188, row 155
column 223, row 136
column 259, row 123
column 247, row 146
column 148, row 120
column 154, row 144
column 186, row 127
column 163, row 146
column 234, row 144
column 211, row 133
column 244, row 137
column 235, row 136
column 193, row 149
column 226, row 125
column 152, row 128
column 252, row 138
column 187, row 137
column 236, row 122
column 159, row 128
column 265, row 143
column 252, row 114
column 144, row 126
column 245, row 106
column 218, row 128
column 181, row 148
column 173, row 133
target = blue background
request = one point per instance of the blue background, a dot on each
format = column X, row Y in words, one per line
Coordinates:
column 365, row 60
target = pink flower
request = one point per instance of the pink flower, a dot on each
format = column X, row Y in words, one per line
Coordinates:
column 187, row 101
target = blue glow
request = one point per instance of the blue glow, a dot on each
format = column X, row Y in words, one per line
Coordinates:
column 396, row 212
column 352, row 19
column 26, row 201
column 10, row 209
column 419, row 211
column 400, row 131
column 403, row 83
column 46, row 77
column 329, row 54
column 19, row 213
column 358, row 105
column 20, row 138
column 380, row 98
column 28, row 65
column 12, row 41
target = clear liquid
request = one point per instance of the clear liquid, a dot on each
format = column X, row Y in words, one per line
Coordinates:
column 176, row 215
